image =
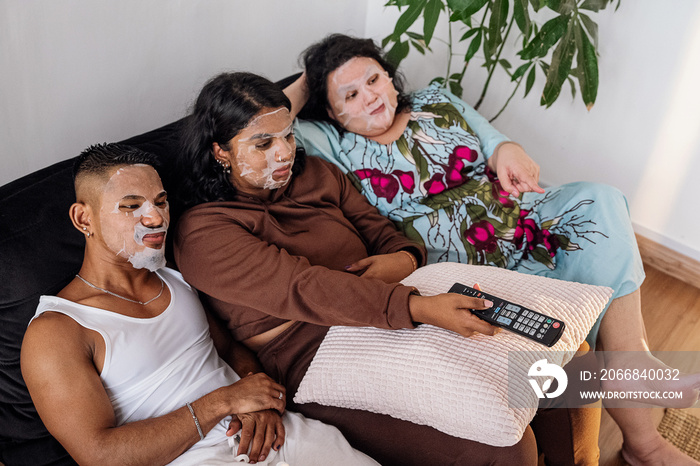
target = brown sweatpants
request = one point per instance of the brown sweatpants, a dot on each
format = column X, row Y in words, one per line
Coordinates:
column 566, row 436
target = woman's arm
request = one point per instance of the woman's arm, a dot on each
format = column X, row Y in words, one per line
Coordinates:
column 298, row 94
column 515, row 169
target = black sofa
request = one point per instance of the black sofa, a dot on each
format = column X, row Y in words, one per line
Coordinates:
column 40, row 253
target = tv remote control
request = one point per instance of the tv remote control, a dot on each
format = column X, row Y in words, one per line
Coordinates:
column 514, row 317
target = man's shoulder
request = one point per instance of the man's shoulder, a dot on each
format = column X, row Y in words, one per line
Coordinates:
column 51, row 333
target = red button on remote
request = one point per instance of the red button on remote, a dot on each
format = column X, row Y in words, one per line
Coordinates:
column 555, row 325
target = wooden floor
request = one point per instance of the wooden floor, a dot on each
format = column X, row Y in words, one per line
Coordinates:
column 671, row 311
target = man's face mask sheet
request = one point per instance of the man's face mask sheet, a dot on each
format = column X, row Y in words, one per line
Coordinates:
column 362, row 97
column 264, row 151
column 134, row 216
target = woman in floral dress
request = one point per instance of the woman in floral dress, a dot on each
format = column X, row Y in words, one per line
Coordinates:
column 447, row 178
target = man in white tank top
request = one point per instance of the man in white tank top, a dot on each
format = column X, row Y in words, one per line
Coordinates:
column 121, row 365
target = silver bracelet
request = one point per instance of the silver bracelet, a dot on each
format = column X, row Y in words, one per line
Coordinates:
column 196, row 421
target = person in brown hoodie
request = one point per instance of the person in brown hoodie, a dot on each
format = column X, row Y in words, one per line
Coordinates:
column 282, row 246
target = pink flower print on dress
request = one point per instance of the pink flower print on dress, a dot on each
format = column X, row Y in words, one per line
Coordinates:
column 387, row 185
column 497, row 191
column 482, row 235
column 454, row 171
column 435, row 185
column 406, row 179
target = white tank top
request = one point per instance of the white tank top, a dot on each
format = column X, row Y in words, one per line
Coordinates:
column 153, row 366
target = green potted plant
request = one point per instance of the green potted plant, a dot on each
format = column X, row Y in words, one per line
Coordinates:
column 564, row 48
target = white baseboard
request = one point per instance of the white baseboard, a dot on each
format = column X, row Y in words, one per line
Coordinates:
column 670, row 261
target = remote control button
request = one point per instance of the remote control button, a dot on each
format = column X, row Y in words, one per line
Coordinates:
column 532, row 331
column 541, row 318
column 555, row 325
column 512, row 307
column 536, row 325
column 549, row 321
column 520, row 319
column 503, row 320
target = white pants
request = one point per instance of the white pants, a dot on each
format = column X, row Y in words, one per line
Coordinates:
column 308, row 442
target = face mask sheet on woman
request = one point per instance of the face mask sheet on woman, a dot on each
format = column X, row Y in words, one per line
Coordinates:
column 265, row 152
column 363, row 96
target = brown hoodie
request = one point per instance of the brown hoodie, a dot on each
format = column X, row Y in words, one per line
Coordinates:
column 261, row 263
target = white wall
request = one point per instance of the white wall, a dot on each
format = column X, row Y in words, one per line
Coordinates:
column 79, row 72
column 642, row 136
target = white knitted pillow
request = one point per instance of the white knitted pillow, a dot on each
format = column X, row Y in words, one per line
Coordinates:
column 435, row 377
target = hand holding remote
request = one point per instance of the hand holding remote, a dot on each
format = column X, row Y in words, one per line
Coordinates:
column 514, row 317
column 451, row 312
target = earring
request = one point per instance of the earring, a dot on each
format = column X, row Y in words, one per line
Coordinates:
column 226, row 167
column 88, row 233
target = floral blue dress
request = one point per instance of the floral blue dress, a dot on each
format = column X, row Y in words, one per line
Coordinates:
column 433, row 182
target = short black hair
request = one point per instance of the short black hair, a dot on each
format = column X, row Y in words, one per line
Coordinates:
column 99, row 158
column 326, row 56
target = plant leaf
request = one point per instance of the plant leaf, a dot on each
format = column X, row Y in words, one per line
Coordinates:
column 522, row 16
column 473, row 46
column 430, row 18
column 505, row 63
column 386, row 40
column 497, row 21
column 469, row 33
column 397, row 53
column 456, row 88
column 594, row 5
column 537, row 5
column 551, row 32
column 591, row 27
column 587, row 63
column 408, row 17
column 563, row 7
column 520, row 71
column 466, row 8
column 417, row 45
column 530, row 81
column 573, row 88
column 559, row 68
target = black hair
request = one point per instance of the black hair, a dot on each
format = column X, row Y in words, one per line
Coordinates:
column 98, row 159
column 224, row 107
column 326, row 56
